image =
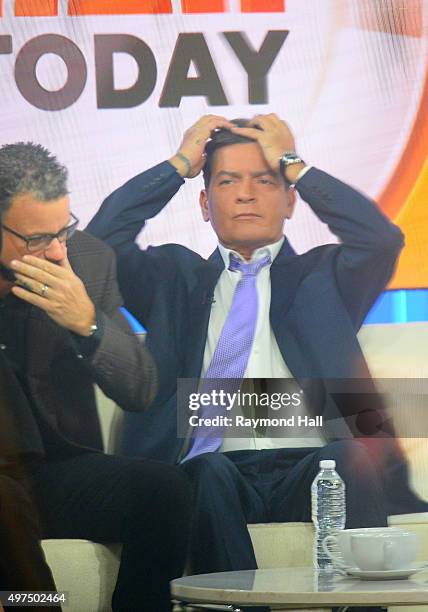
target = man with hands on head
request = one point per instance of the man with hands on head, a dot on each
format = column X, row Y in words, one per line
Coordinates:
column 303, row 327
column 61, row 332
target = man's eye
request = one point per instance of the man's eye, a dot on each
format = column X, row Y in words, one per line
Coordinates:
column 265, row 181
column 226, row 182
column 37, row 241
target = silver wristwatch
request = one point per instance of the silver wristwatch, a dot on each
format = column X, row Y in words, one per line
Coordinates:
column 288, row 159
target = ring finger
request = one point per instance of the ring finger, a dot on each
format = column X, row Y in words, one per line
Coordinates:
column 32, row 285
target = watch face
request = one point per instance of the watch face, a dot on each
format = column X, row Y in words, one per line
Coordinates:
column 287, row 160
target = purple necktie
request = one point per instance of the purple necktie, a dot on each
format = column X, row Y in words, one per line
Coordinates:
column 232, row 351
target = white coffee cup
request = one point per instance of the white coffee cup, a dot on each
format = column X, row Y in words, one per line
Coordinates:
column 384, row 551
column 415, row 523
column 341, row 544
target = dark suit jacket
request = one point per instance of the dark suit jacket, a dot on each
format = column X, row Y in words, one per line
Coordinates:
column 60, row 381
column 13, row 405
column 22, row 562
column 318, row 299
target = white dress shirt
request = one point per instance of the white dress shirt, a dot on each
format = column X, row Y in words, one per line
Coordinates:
column 265, row 359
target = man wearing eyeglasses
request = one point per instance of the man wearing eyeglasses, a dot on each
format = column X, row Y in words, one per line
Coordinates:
column 22, row 562
column 38, row 258
column 61, row 331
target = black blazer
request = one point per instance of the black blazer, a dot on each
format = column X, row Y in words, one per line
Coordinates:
column 62, row 412
column 318, row 299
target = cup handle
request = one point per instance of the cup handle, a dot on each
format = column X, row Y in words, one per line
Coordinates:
column 325, row 543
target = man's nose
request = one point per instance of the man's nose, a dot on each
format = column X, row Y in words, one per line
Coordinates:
column 55, row 251
column 246, row 193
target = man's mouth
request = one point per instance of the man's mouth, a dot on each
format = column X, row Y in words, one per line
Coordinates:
column 247, row 216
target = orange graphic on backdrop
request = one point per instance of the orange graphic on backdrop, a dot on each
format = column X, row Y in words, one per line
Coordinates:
column 124, row 7
column 262, row 6
column 405, row 198
column 36, row 8
column 202, row 6
column 49, row 8
column 118, row 7
column 399, row 17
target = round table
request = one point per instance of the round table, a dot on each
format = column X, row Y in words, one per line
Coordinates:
column 299, row 587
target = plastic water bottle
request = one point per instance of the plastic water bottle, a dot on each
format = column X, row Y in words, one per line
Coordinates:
column 328, row 508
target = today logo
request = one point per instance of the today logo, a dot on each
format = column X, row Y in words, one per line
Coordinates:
column 49, row 8
column 191, row 49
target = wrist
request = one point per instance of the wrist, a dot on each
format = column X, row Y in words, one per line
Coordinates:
column 292, row 172
column 291, row 165
column 87, row 327
column 182, row 164
column 86, row 345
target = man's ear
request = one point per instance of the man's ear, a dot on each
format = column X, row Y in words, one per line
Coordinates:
column 203, row 203
column 291, row 202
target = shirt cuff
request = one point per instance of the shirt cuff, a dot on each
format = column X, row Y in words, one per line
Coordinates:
column 87, row 345
column 302, row 173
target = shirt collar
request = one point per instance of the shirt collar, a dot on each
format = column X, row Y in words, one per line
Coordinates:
column 269, row 249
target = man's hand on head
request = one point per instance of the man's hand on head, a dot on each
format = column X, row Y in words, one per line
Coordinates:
column 56, row 289
column 190, row 158
column 272, row 134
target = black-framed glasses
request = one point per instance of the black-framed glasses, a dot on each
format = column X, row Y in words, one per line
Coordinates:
column 39, row 242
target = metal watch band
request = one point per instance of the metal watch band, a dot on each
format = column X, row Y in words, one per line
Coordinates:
column 289, row 158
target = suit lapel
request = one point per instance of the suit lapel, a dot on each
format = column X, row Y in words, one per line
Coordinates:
column 206, row 276
column 41, row 337
column 287, row 272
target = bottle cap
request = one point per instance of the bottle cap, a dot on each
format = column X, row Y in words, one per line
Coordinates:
column 328, row 464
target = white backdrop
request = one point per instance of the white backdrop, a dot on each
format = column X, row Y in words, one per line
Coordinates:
column 350, row 93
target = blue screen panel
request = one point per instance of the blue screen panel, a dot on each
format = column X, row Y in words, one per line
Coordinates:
column 399, row 306
column 134, row 323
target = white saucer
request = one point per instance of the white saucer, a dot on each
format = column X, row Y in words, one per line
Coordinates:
column 396, row 574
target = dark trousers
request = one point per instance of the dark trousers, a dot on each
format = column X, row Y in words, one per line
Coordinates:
column 240, row 487
column 22, row 562
column 143, row 504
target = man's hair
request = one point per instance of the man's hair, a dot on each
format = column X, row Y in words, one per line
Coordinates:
column 26, row 167
column 223, row 138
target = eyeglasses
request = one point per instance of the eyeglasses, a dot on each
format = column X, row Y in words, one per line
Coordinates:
column 39, row 242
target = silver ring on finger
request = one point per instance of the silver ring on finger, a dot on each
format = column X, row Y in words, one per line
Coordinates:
column 44, row 290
